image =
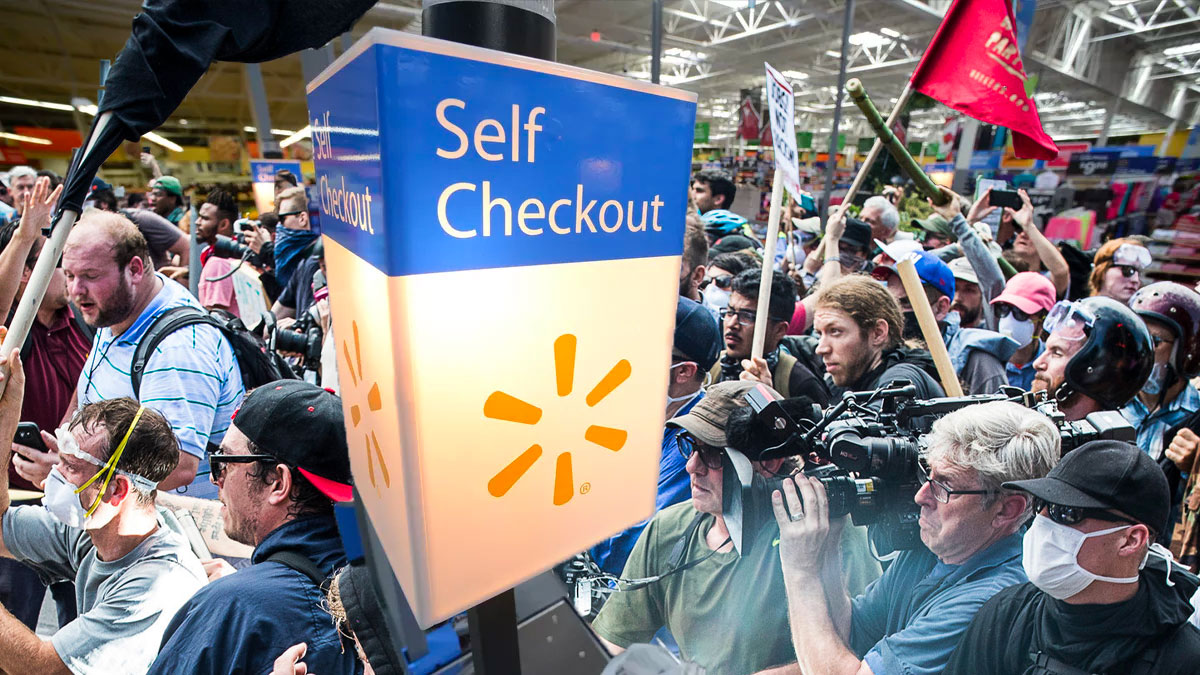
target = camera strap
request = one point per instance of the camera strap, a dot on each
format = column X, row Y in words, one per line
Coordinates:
column 675, row 559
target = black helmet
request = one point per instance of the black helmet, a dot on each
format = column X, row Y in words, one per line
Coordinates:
column 1117, row 356
column 1178, row 308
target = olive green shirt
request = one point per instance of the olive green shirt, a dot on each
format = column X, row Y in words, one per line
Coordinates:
column 729, row 613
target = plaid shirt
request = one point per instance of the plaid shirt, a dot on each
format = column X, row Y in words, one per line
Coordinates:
column 1152, row 426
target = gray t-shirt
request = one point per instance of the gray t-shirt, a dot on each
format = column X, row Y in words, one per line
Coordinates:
column 124, row 605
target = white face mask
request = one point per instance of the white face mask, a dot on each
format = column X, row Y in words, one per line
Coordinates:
column 1050, row 558
column 715, row 298
column 62, row 502
column 672, row 400
column 1158, row 377
column 1021, row 331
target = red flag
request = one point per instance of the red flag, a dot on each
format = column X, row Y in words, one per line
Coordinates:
column 973, row 65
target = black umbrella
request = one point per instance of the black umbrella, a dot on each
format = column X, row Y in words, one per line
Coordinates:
column 172, row 45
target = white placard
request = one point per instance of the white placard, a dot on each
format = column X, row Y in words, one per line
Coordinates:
column 782, row 104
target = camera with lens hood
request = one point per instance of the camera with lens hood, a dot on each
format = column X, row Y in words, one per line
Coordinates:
column 865, row 450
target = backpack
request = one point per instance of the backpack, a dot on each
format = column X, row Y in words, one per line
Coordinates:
column 258, row 365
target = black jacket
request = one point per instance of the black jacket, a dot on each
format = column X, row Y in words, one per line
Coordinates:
column 1148, row 633
column 901, row 363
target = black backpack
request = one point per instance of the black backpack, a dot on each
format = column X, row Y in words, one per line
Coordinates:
column 258, row 365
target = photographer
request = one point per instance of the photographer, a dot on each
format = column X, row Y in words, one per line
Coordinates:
column 911, row 619
column 215, row 218
column 1096, row 601
column 710, row 590
column 1098, row 356
column 861, row 328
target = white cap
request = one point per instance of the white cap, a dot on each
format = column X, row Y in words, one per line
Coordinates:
column 900, row 250
column 961, row 268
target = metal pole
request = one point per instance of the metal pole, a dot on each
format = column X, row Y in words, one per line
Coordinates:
column 1112, row 112
column 831, row 165
column 268, row 147
column 656, row 35
column 525, row 27
column 193, row 261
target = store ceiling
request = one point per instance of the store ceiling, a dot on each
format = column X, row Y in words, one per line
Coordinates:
column 1085, row 53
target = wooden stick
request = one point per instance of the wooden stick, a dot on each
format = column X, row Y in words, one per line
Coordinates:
column 929, row 327
column 768, row 268
column 861, row 177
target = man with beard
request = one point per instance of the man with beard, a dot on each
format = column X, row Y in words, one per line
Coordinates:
column 789, row 374
column 861, row 341
column 977, row 355
column 192, row 378
column 968, row 299
column 281, row 467
column 1097, row 357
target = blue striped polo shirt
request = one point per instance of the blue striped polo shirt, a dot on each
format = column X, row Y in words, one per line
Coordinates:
column 192, row 378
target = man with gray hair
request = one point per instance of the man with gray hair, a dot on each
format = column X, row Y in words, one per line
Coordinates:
column 20, row 185
column 882, row 216
column 912, row 618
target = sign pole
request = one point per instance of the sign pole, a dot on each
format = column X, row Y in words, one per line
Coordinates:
column 929, row 327
column 764, row 286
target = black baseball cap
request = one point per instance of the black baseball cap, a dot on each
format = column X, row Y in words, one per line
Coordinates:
column 1106, row 475
column 697, row 335
column 301, row 425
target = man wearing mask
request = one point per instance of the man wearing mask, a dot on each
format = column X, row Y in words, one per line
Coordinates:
column 977, row 355
column 1101, row 597
column 1022, row 310
column 718, row 278
column 697, row 342
column 100, row 528
column 1172, row 315
column 1097, row 357
column 911, row 619
column 294, row 241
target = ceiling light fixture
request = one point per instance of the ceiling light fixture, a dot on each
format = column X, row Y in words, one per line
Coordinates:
column 25, row 139
column 306, row 132
column 155, row 138
column 36, row 104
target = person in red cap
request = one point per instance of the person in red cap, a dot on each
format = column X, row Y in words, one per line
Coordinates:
column 1020, row 311
column 282, row 465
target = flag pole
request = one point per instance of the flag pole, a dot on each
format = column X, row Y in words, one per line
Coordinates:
column 768, row 268
column 898, row 152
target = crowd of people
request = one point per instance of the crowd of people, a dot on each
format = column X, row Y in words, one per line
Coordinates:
column 1029, row 557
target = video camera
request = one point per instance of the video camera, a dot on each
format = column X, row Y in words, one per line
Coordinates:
column 866, row 451
column 237, row 246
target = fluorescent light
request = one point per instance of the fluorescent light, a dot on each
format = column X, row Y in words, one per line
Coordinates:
column 249, row 130
column 795, row 74
column 24, row 139
column 306, row 132
column 36, row 104
column 890, row 33
column 155, row 138
column 1182, row 49
column 685, row 54
column 88, row 109
column 836, row 55
column 183, row 122
column 868, row 39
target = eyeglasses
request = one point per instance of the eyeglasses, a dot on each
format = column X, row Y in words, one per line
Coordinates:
column 723, row 282
column 1003, row 309
column 710, row 457
column 1073, row 515
column 940, row 490
column 1069, row 320
column 741, row 317
column 218, row 461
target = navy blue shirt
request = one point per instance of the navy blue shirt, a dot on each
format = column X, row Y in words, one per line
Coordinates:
column 910, row 619
column 241, row 623
column 674, row 486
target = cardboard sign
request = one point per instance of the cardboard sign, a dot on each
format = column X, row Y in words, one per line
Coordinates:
column 503, row 263
column 782, row 103
column 252, row 302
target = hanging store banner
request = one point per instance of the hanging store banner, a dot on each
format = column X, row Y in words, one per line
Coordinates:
column 493, row 227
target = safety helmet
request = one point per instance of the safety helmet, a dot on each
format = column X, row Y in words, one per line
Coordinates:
column 1178, row 307
column 720, row 222
column 1117, row 354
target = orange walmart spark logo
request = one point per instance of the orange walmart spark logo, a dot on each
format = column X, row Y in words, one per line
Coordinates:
column 373, row 404
column 508, row 408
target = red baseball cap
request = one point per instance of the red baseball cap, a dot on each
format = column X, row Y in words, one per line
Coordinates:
column 1029, row 292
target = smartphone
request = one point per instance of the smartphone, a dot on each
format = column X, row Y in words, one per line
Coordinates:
column 1009, row 198
column 29, row 436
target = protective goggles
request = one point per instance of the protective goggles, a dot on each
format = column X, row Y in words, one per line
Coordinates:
column 1128, row 255
column 67, row 445
column 1069, row 320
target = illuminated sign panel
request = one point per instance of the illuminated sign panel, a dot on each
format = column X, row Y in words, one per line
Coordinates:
column 502, row 238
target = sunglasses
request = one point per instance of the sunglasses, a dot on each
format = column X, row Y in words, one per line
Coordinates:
column 1004, row 309
column 723, row 282
column 710, row 456
column 217, row 462
column 1127, row 271
column 1073, row 515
